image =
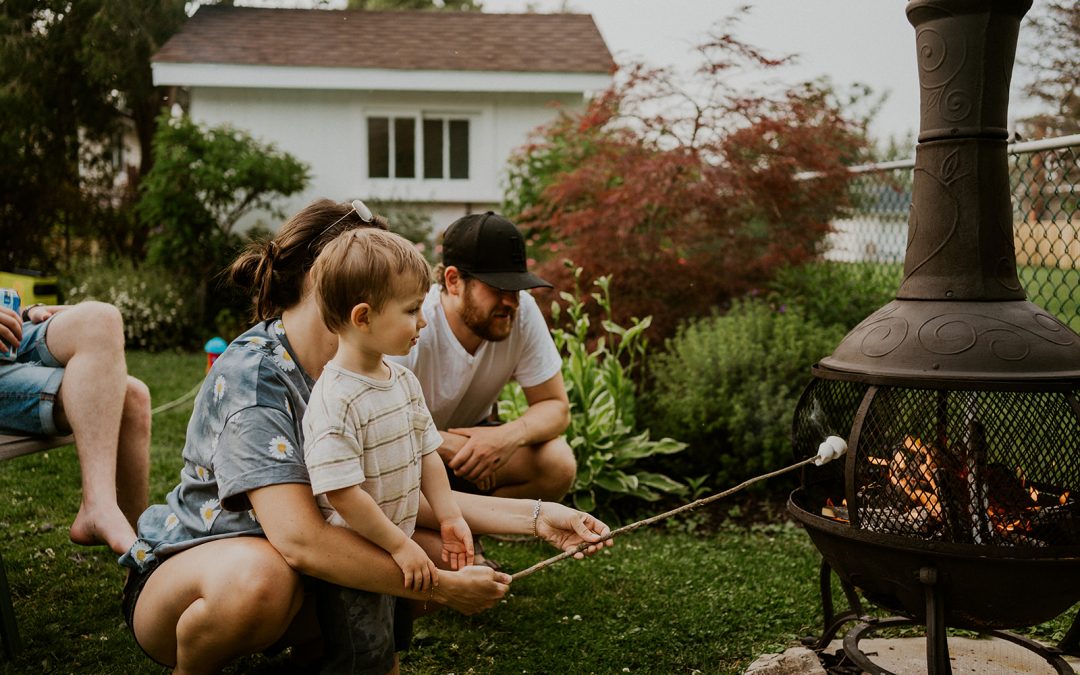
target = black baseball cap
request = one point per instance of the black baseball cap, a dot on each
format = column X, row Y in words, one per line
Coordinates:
column 490, row 248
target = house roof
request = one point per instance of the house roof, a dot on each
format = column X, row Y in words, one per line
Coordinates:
column 395, row 40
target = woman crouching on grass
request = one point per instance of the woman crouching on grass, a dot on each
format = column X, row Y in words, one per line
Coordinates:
column 232, row 563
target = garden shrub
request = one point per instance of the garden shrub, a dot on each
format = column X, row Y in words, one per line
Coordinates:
column 728, row 385
column 836, row 293
column 603, row 431
column 156, row 305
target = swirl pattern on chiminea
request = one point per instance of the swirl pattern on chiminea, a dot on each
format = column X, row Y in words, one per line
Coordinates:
column 959, row 500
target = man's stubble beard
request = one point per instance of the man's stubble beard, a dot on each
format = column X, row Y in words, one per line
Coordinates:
column 483, row 324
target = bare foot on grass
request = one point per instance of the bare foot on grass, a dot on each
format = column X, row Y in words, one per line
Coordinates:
column 106, row 526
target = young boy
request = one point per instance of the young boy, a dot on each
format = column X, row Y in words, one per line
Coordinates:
column 369, row 440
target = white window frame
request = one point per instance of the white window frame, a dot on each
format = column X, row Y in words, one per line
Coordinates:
column 445, row 119
column 471, row 116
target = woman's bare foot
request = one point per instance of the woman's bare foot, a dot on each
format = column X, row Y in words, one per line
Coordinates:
column 108, row 526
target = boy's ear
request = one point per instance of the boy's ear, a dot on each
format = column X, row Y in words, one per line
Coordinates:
column 360, row 314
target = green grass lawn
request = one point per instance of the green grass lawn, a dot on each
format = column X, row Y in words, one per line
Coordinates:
column 671, row 599
column 1055, row 290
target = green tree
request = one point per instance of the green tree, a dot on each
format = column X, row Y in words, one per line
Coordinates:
column 74, row 79
column 1049, row 52
column 203, row 181
column 687, row 200
column 53, row 127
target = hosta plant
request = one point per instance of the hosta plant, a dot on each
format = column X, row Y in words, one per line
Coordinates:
column 602, row 429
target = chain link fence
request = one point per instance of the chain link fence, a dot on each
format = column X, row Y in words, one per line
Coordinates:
column 1044, row 176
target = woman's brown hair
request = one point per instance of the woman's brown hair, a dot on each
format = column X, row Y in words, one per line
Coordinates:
column 274, row 268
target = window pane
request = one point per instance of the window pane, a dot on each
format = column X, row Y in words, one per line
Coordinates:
column 378, row 147
column 459, row 148
column 433, row 148
column 404, row 147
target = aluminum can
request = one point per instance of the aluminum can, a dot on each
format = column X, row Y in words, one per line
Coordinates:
column 9, row 298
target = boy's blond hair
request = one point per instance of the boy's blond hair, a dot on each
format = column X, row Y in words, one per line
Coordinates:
column 366, row 265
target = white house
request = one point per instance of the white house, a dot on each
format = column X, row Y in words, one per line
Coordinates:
column 419, row 107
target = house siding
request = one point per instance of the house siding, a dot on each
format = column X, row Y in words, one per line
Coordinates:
column 327, row 130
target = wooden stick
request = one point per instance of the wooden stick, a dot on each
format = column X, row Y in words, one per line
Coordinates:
column 649, row 521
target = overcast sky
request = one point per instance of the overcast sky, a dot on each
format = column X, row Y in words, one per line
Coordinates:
column 866, row 41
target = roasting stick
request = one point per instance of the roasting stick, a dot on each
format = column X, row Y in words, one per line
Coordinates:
column 829, row 450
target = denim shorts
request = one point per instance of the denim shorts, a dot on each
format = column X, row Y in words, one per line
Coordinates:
column 29, row 385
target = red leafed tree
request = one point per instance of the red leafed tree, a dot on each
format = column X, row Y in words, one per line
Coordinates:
column 687, row 200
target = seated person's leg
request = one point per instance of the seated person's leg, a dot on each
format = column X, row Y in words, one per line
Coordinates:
column 88, row 340
column 133, row 452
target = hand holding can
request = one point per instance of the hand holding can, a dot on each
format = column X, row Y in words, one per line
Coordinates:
column 10, row 324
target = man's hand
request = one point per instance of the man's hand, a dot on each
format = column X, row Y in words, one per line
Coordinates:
column 41, row 313
column 566, row 529
column 10, row 328
column 420, row 573
column 486, row 449
column 457, row 549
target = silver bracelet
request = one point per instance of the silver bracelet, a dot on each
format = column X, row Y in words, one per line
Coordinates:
column 536, row 516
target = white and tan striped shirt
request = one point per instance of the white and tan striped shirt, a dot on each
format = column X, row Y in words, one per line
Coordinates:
column 371, row 433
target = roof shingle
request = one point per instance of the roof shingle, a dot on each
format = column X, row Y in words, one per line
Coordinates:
column 471, row 41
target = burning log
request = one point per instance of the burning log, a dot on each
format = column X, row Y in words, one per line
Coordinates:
column 912, row 472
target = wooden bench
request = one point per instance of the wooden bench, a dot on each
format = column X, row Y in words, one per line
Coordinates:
column 11, row 447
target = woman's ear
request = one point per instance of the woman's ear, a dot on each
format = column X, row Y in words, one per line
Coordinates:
column 360, row 315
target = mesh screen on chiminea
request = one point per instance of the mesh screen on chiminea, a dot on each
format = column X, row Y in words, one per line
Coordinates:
column 973, row 467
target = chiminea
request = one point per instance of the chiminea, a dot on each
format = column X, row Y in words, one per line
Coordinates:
column 958, row 503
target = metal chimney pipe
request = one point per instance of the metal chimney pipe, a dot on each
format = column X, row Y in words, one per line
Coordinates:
column 960, row 314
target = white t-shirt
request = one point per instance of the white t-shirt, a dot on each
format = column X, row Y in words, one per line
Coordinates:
column 459, row 387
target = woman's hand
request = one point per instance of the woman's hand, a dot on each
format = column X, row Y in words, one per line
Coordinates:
column 472, row 589
column 566, row 529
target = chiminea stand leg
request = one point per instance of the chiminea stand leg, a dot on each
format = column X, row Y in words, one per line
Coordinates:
column 833, row 622
column 1070, row 644
column 937, row 635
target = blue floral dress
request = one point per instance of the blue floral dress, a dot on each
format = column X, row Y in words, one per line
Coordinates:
column 244, row 433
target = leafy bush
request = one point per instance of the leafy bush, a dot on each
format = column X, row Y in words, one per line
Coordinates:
column 602, row 428
column 836, row 293
column 155, row 304
column 698, row 193
column 411, row 221
column 728, row 386
column 204, row 180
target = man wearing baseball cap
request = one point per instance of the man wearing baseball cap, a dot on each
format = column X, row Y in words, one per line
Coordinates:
column 483, row 330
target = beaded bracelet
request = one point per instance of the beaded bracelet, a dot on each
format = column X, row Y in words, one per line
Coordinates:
column 536, row 516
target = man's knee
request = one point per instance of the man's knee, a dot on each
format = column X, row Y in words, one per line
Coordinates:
column 89, row 325
column 559, row 466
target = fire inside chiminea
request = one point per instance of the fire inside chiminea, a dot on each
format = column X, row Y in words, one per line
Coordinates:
column 957, row 503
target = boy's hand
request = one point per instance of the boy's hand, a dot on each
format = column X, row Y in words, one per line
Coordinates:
column 457, row 543
column 420, row 573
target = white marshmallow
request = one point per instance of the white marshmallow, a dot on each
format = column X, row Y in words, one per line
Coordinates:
column 831, row 448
